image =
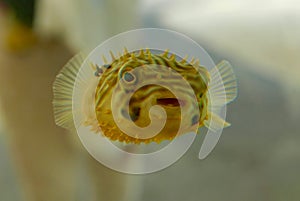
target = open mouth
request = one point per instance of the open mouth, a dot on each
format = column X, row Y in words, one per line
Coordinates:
column 171, row 102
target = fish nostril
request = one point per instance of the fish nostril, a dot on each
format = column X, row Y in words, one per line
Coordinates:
column 195, row 119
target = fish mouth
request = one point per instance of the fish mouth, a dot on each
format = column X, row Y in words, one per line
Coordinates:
column 170, row 102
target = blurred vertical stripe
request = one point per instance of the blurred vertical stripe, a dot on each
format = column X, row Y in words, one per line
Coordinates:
column 23, row 10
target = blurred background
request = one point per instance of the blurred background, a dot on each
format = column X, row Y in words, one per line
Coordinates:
column 257, row 158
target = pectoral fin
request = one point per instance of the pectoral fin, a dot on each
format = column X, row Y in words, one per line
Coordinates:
column 222, row 90
column 223, row 84
column 63, row 91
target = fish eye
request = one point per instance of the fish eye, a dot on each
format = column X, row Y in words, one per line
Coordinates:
column 129, row 77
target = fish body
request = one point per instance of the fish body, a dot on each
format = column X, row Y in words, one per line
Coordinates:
column 130, row 87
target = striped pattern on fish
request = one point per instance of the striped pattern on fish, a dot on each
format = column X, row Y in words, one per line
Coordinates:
column 121, row 76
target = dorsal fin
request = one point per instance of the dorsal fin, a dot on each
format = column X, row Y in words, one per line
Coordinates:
column 63, row 91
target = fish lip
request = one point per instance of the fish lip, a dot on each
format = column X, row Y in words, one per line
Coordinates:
column 170, row 102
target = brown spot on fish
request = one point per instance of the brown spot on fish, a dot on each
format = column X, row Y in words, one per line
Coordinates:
column 171, row 102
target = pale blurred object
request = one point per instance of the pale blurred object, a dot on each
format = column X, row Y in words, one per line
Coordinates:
column 264, row 34
column 85, row 24
column 50, row 163
column 1, row 121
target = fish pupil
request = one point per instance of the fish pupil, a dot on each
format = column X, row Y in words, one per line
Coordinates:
column 128, row 77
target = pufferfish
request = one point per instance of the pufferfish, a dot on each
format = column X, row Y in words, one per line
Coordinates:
column 210, row 89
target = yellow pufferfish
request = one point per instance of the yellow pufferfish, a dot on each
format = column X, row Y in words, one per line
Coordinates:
column 100, row 118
